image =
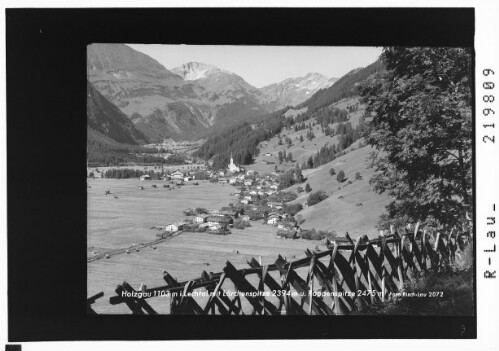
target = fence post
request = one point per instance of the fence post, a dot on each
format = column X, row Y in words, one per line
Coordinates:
column 311, row 283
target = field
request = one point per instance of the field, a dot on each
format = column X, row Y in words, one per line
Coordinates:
column 121, row 222
column 185, row 257
column 131, row 218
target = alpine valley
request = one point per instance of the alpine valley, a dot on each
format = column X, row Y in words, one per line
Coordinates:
column 188, row 102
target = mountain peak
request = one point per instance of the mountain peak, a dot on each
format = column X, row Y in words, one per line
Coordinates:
column 315, row 75
column 293, row 91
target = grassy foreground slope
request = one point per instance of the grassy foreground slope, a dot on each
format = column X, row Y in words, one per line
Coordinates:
column 342, row 211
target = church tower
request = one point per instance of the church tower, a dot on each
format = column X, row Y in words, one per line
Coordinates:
column 232, row 167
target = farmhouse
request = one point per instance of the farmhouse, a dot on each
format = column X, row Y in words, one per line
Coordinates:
column 198, row 219
column 177, row 175
column 219, row 229
column 220, row 220
column 229, row 211
column 222, row 180
column 175, row 227
column 145, row 177
column 286, row 234
column 273, row 218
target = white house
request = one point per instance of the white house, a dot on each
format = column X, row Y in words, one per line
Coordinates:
column 198, row 219
column 177, row 175
column 232, row 180
column 273, row 219
column 245, row 201
column 145, row 177
column 175, row 227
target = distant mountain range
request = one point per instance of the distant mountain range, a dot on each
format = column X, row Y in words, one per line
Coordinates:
column 189, row 101
column 293, row 91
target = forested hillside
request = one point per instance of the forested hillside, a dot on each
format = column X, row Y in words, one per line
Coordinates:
column 242, row 139
column 343, row 88
column 104, row 151
column 320, row 111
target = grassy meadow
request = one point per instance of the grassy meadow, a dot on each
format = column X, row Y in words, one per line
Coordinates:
column 127, row 220
column 185, row 257
column 352, row 208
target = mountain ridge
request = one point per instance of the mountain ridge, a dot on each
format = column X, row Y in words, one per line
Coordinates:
column 107, row 119
column 161, row 103
column 296, row 90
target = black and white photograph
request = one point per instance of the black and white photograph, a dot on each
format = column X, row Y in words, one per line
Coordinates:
column 264, row 180
column 274, row 176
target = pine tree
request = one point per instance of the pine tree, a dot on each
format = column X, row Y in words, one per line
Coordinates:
column 340, row 177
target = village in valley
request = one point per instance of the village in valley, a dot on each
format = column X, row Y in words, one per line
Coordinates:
column 256, row 197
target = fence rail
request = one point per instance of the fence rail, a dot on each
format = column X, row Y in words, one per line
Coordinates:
column 346, row 277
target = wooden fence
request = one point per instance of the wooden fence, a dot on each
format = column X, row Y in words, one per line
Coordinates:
column 346, row 277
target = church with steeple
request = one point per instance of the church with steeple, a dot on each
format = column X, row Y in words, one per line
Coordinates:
column 232, row 167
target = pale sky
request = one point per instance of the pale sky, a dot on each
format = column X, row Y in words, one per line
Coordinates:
column 264, row 65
